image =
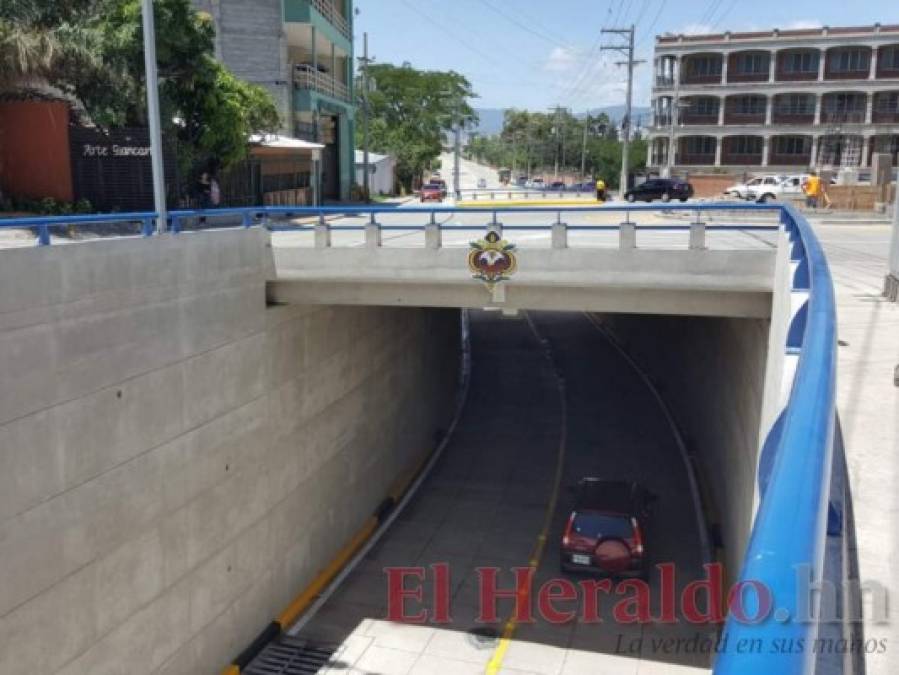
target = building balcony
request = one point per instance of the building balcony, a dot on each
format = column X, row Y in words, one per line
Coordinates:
column 796, row 76
column 736, row 77
column 695, row 159
column 739, row 118
column 741, row 160
column 887, row 73
column 664, row 81
column 329, row 10
column 802, row 159
column 306, row 78
column 701, row 79
column 788, row 117
column 885, row 116
column 842, row 116
column 698, row 119
column 860, row 74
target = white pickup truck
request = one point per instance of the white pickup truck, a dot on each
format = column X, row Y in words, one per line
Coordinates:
column 788, row 188
column 742, row 190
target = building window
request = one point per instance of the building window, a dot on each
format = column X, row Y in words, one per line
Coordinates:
column 889, row 58
column 699, row 145
column 703, row 106
column 747, row 105
column 751, row 64
column 888, row 102
column 701, row 66
column 792, row 145
column 840, row 103
column 745, row 145
column 796, row 104
column 850, row 60
column 800, row 62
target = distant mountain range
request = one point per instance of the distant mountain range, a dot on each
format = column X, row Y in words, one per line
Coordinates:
column 491, row 119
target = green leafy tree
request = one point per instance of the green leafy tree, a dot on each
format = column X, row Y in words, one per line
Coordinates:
column 410, row 110
column 93, row 50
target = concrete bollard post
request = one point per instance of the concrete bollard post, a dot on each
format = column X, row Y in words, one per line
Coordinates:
column 495, row 226
column 560, row 235
column 433, row 236
column 891, row 284
column 373, row 235
column 697, row 236
column 627, row 236
column 322, row 234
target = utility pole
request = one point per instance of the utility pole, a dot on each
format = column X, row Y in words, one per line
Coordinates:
column 584, row 148
column 156, row 162
column 456, row 167
column 557, row 130
column 366, row 175
column 627, row 50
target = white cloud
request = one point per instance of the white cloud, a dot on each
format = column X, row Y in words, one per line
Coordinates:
column 561, row 60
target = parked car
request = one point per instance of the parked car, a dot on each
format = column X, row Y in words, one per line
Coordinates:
column 557, row 186
column 482, row 183
column 665, row 189
column 441, row 184
column 787, row 187
column 537, row 184
column 431, row 192
column 521, row 180
column 741, row 190
column 605, row 531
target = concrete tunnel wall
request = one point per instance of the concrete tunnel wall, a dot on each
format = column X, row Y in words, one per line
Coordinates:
column 177, row 459
column 711, row 374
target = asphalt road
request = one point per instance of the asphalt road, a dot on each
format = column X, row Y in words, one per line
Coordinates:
column 490, row 497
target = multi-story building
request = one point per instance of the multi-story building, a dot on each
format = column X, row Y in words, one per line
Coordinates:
column 302, row 52
column 780, row 99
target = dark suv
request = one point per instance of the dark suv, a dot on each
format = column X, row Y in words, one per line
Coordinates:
column 605, row 531
column 665, row 189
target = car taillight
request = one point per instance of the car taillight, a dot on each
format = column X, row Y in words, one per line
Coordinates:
column 566, row 538
column 636, row 542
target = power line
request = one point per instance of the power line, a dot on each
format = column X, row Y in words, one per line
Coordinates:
column 524, row 26
column 648, row 33
column 725, row 13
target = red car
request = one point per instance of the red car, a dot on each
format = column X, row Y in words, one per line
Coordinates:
column 605, row 531
column 431, row 192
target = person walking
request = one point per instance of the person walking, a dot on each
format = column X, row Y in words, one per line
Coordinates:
column 813, row 188
column 600, row 190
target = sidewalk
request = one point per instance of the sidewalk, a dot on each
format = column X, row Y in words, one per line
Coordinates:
column 868, row 404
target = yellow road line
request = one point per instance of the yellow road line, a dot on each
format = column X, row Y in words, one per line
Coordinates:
column 496, row 662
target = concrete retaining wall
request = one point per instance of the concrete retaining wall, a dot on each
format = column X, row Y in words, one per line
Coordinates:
column 178, row 460
column 710, row 371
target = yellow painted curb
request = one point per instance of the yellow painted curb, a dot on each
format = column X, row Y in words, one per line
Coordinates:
column 307, row 597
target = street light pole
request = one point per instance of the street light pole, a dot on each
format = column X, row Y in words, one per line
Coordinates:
column 153, row 118
column 366, row 176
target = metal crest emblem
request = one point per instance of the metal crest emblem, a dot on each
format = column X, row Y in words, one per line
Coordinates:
column 492, row 259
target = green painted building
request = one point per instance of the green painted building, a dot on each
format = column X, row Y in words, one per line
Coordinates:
column 301, row 51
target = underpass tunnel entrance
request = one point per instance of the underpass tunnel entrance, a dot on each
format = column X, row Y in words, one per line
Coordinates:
column 555, row 398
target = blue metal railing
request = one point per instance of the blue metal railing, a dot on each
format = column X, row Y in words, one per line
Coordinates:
column 790, row 527
column 789, row 534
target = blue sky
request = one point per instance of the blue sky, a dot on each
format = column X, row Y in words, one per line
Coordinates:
column 536, row 53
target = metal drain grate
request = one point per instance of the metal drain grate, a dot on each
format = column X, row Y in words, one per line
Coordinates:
column 291, row 656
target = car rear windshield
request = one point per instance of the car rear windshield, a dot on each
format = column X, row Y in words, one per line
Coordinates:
column 601, row 525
